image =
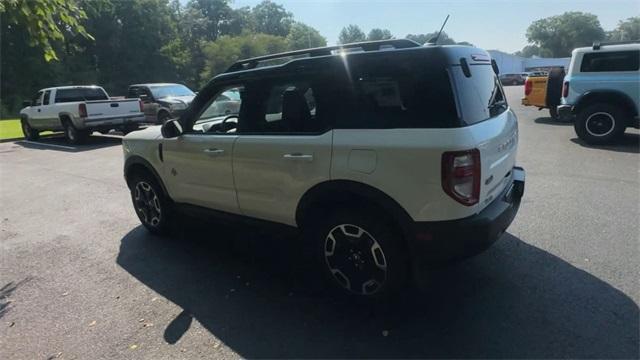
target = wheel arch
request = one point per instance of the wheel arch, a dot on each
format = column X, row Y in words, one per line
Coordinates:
column 136, row 164
column 606, row 96
column 333, row 192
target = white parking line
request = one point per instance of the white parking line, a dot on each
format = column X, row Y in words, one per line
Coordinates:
column 45, row 144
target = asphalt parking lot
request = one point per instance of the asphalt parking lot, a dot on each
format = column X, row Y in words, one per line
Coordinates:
column 79, row 278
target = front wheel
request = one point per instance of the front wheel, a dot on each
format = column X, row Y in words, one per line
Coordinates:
column 362, row 255
column 600, row 123
column 29, row 132
column 150, row 203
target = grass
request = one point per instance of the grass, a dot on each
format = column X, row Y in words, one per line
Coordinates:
column 11, row 129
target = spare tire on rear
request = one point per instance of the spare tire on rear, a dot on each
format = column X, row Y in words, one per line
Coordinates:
column 554, row 90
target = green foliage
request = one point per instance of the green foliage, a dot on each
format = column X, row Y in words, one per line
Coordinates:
column 379, row 34
column 222, row 53
column 302, row 36
column 626, row 30
column 46, row 21
column 271, row 18
column 350, row 34
column 559, row 35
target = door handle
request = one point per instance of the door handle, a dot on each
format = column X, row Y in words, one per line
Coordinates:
column 298, row 157
column 38, row 110
column 213, row 152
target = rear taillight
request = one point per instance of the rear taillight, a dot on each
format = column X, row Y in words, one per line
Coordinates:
column 461, row 175
column 141, row 105
column 565, row 89
column 82, row 110
column 528, row 86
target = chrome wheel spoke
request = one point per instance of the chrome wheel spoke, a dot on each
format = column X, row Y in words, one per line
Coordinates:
column 147, row 204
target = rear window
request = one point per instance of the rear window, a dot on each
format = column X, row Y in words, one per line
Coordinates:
column 611, row 61
column 396, row 92
column 80, row 94
column 480, row 96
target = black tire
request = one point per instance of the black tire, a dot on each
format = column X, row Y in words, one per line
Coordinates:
column 129, row 128
column 355, row 248
column 73, row 135
column 29, row 132
column 553, row 113
column 150, row 203
column 554, row 88
column 600, row 123
column 163, row 116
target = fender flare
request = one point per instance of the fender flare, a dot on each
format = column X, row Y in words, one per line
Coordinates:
column 333, row 191
column 138, row 161
column 583, row 100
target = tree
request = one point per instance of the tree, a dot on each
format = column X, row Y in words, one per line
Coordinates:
column 46, row 21
column 533, row 50
column 444, row 39
column 560, row 34
column 302, row 36
column 222, row 53
column 626, row 30
column 379, row 34
column 351, row 34
column 271, row 18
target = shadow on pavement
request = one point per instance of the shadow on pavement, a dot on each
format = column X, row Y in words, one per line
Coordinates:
column 629, row 143
column 251, row 290
column 550, row 121
column 59, row 143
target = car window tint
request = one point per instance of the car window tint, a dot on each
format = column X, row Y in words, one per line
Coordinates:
column 403, row 93
column 610, row 61
column 45, row 100
column 80, row 94
column 37, row 99
column 480, row 95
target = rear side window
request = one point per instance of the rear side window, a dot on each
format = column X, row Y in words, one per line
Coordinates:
column 397, row 92
column 611, row 61
column 480, row 95
column 80, row 94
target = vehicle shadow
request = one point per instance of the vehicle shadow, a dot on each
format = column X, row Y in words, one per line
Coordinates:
column 253, row 292
column 59, row 143
column 550, row 121
column 629, row 143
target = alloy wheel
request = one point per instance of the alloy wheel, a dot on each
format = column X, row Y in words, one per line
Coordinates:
column 355, row 259
column 147, row 204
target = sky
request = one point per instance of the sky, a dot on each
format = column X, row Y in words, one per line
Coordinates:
column 489, row 24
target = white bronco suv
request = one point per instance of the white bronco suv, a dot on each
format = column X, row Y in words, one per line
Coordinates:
column 388, row 156
column 601, row 91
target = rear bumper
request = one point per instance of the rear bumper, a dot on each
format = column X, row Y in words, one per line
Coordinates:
column 113, row 122
column 437, row 243
column 565, row 111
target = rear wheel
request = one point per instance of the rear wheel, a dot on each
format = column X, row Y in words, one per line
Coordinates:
column 150, row 203
column 361, row 255
column 553, row 112
column 29, row 132
column 73, row 135
column 600, row 123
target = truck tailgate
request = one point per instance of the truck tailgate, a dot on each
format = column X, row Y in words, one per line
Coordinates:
column 113, row 110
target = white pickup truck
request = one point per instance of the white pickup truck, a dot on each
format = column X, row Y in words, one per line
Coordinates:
column 78, row 110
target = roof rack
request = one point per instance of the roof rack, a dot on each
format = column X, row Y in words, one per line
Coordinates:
column 247, row 64
column 598, row 44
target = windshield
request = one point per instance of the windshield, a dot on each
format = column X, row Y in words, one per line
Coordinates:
column 170, row 90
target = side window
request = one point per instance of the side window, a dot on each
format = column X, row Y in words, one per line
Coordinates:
column 47, row 94
column 610, row 61
column 133, row 93
column 222, row 113
column 289, row 108
column 404, row 93
column 37, row 99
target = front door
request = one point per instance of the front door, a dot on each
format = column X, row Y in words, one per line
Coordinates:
column 198, row 164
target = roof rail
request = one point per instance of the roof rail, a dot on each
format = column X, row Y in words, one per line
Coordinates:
column 251, row 63
column 598, row 44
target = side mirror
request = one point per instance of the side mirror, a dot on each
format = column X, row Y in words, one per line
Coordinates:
column 26, row 103
column 171, row 129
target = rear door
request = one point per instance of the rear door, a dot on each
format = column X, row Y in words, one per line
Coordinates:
column 485, row 113
column 285, row 149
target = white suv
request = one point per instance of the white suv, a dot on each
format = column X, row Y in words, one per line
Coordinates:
column 386, row 155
